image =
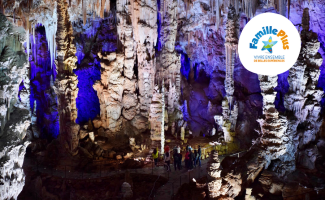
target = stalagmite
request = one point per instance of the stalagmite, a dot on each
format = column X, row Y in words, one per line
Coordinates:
column 214, row 172
column 303, row 81
column 182, row 133
column 110, row 90
column 269, row 147
column 66, row 81
column 274, row 126
column 162, row 134
column 157, row 117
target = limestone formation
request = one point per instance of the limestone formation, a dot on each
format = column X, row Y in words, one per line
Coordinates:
column 214, row 172
column 66, row 81
column 157, row 117
column 169, row 67
column 145, row 34
column 125, row 14
column 231, row 50
column 168, row 64
column 110, row 91
column 270, row 146
column 303, row 81
column 15, row 112
column 227, row 122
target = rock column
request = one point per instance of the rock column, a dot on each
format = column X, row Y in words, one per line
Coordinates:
column 66, row 81
column 231, row 45
column 303, row 101
column 214, row 172
column 110, row 91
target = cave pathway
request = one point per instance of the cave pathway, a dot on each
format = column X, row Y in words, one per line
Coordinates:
column 175, row 178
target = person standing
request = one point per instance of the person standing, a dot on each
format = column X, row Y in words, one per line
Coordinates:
column 199, row 156
column 179, row 153
column 195, row 157
column 155, row 156
column 176, row 158
column 187, row 159
column 167, row 160
column 190, row 161
column 178, row 149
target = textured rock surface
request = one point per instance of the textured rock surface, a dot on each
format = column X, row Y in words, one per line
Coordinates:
column 15, row 110
column 284, row 141
column 303, row 98
column 214, row 172
column 66, row 81
column 110, row 91
column 114, row 58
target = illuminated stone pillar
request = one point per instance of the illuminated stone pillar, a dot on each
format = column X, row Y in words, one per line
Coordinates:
column 227, row 122
column 214, row 172
column 144, row 22
column 66, row 81
column 231, row 45
column 157, row 117
column 182, row 133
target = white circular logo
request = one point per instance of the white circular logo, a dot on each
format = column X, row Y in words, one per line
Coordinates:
column 269, row 44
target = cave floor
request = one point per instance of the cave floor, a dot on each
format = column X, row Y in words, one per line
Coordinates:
column 175, row 178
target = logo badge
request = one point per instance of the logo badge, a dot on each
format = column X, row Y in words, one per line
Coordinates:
column 269, row 44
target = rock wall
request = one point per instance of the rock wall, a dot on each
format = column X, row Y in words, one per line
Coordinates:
column 15, row 110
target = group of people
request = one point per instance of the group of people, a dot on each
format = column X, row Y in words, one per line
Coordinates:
column 192, row 158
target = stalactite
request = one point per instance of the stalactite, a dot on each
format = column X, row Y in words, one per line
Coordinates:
column 107, row 5
column 237, row 6
column 33, row 28
column 217, row 15
column 50, row 29
column 27, row 42
column 231, row 47
column 84, row 11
